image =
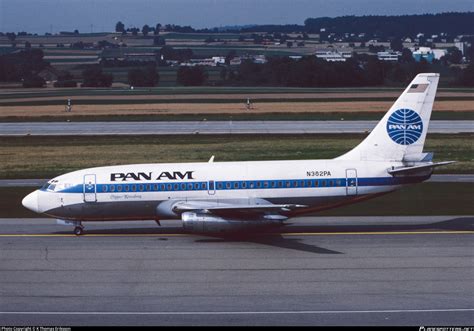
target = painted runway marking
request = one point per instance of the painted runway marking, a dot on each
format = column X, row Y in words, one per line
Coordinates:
column 399, row 311
column 263, row 235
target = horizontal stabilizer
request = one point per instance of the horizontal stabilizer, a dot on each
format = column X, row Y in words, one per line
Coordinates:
column 407, row 170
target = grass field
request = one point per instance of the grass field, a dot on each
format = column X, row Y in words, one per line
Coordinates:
column 420, row 199
column 244, row 116
column 46, row 157
column 450, row 109
column 218, row 103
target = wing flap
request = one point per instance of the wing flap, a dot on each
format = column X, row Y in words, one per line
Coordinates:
column 181, row 207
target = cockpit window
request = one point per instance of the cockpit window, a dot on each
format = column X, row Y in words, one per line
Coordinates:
column 56, row 186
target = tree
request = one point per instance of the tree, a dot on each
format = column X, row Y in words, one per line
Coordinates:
column 145, row 30
column 27, row 44
column 407, row 56
column 191, row 76
column 146, row 77
column 94, row 77
column 157, row 29
column 230, row 55
column 455, row 56
column 396, row 44
column 33, row 81
column 119, row 27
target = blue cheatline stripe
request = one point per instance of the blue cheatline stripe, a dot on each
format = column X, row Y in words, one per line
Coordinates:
column 244, row 185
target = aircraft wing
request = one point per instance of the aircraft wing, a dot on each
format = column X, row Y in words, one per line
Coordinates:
column 408, row 170
column 214, row 208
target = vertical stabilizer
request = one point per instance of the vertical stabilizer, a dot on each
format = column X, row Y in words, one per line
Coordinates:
column 401, row 133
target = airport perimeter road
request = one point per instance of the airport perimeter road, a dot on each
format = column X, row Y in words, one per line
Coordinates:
column 210, row 127
column 317, row 271
column 454, row 178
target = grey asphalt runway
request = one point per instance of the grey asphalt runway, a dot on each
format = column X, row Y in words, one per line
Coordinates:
column 210, row 127
column 316, row 271
column 452, row 178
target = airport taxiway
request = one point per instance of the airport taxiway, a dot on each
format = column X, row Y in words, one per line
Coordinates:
column 210, row 127
column 315, row 271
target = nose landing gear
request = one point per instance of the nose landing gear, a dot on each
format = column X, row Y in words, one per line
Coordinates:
column 78, row 227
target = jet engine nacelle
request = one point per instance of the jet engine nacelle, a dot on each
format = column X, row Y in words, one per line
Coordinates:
column 206, row 223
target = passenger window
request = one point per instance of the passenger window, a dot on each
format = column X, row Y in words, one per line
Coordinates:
column 134, row 188
column 127, row 188
column 236, row 185
column 244, row 184
column 219, row 185
column 112, row 188
column 119, row 188
column 104, row 188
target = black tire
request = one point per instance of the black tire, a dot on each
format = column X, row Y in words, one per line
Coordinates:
column 78, row 231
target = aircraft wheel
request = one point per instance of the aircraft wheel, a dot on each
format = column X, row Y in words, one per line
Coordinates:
column 78, row 230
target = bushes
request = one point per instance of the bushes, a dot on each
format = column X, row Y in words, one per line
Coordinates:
column 191, row 76
column 145, row 77
column 94, row 77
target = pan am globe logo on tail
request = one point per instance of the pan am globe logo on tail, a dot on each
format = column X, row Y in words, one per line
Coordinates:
column 404, row 126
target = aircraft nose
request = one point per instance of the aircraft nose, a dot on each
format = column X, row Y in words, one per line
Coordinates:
column 31, row 201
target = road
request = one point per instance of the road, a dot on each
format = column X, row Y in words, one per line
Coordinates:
column 210, row 127
column 317, row 271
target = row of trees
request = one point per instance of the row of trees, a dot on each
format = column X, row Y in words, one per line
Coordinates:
column 23, row 67
column 383, row 27
column 146, row 29
column 309, row 71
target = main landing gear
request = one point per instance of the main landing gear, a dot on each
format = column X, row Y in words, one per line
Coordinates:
column 78, row 230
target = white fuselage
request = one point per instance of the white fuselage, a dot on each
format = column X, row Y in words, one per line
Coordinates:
column 147, row 191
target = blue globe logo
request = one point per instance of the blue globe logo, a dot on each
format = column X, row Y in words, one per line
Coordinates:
column 404, row 126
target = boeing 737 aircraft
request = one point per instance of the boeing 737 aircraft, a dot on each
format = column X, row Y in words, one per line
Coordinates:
column 225, row 196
